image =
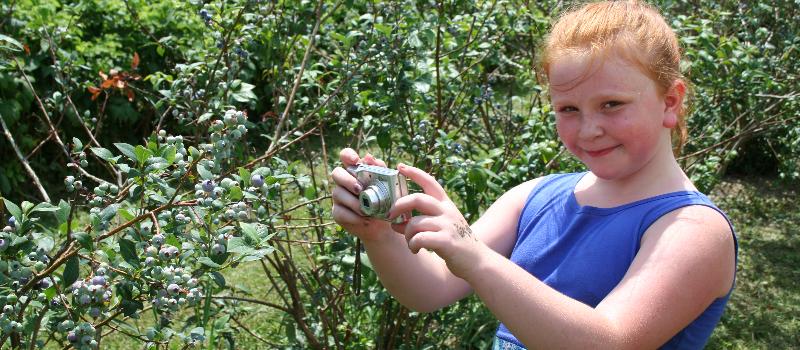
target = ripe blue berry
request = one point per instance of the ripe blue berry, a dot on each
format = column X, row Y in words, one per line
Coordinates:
column 173, row 289
column 208, row 185
column 12, row 221
column 257, row 180
column 99, row 280
column 72, row 337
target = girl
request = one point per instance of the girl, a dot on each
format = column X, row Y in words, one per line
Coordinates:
column 625, row 255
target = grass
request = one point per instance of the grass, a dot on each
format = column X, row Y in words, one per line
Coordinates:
column 765, row 305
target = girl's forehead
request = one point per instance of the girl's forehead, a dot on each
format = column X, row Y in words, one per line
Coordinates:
column 610, row 72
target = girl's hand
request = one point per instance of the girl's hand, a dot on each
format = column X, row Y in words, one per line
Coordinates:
column 346, row 208
column 441, row 228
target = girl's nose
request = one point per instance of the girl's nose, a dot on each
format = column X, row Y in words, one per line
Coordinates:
column 590, row 127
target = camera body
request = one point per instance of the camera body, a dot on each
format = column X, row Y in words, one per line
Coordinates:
column 381, row 188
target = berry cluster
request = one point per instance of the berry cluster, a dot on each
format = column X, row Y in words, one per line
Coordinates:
column 174, row 288
column 205, row 16
column 71, row 184
column 92, row 294
column 82, row 336
column 226, row 133
column 7, row 322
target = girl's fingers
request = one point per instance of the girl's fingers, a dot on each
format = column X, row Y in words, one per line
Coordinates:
column 425, row 204
column 426, row 239
column 420, row 224
column 343, row 178
column 343, row 197
column 371, row 160
column 349, row 157
column 346, row 217
column 428, row 183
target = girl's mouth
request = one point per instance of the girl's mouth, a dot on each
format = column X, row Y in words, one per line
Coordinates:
column 600, row 153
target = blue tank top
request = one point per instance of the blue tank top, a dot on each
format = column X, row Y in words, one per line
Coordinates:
column 584, row 251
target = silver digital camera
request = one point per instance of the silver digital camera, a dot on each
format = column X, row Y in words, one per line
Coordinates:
column 381, row 188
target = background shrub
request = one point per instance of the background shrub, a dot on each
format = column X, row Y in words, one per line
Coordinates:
column 170, row 145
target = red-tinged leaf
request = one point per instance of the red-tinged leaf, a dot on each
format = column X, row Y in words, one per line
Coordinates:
column 135, row 62
column 27, row 49
column 103, row 75
column 131, row 95
column 107, row 83
column 95, row 92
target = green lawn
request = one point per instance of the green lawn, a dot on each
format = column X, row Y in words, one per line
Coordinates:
column 764, row 311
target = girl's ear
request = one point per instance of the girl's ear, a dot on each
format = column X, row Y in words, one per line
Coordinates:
column 673, row 103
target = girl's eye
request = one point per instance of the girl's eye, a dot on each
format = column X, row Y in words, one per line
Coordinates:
column 612, row 104
column 567, row 109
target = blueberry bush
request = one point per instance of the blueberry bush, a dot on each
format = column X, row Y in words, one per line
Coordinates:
column 152, row 147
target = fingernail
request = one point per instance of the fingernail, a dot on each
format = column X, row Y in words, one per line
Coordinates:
column 357, row 188
column 401, row 166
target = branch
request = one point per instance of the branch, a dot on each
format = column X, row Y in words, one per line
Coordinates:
column 52, row 128
column 23, row 161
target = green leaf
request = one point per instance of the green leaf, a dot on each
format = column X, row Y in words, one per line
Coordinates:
column 244, row 174
column 169, row 154
column 71, row 271
column 250, row 231
column 13, row 209
column 84, row 239
column 10, row 40
column 128, row 251
column 310, row 192
column 46, row 243
column 238, row 245
column 127, row 150
column 62, row 214
column 77, row 144
column 103, row 153
column 44, row 207
column 384, row 29
column 109, row 212
column 50, row 293
column 235, row 193
column 244, row 94
column 218, row 278
column 208, row 262
column 204, row 173
column 142, row 153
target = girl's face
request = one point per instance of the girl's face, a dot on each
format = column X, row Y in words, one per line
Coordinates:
column 612, row 118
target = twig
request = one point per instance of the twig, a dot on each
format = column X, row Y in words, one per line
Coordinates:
column 25, row 164
column 254, row 301
column 50, row 123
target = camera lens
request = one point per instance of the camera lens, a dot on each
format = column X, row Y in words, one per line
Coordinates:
column 374, row 200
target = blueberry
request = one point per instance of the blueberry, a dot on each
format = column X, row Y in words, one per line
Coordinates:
column 173, row 289
column 218, row 249
column 257, row 180
column 99, row 280
column 12, row 221
column 72, row 337
column 208, row 185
